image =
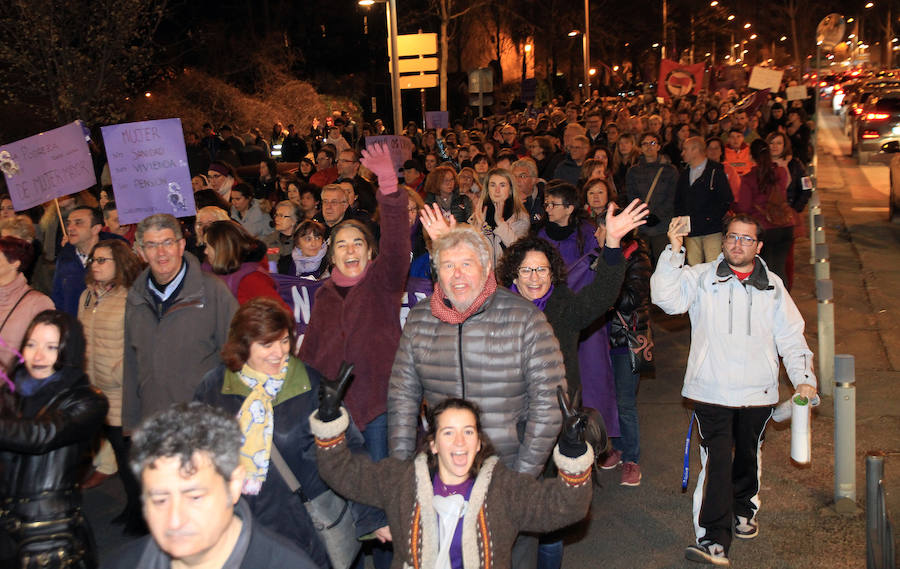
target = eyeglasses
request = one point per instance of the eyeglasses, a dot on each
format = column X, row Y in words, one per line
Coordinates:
column 551, row 205
column 412, row 209
column 745, row 240
column 334, row 202
column 649, row 143
column 153, row 245
column 541, row 271
column 99, row 260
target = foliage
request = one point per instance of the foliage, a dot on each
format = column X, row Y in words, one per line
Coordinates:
column 197, row 97
column 76, row 58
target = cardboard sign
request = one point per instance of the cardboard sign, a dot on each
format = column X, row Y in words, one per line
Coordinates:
column 437, row 119
column 400, row 147
column 762, row 78
column 797, row 93
column 48, row 165
column 149, row 169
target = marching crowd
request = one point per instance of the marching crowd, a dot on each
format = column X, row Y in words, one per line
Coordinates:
column 464, row 436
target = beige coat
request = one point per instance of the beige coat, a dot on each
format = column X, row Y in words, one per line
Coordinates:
column 17, row 321
column 103, row 318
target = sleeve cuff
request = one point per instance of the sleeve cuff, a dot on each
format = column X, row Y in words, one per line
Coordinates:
column 332, row 429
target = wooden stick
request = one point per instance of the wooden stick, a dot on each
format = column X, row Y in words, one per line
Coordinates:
column 62, row 223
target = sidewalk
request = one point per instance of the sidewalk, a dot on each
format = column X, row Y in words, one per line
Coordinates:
column 649, row 526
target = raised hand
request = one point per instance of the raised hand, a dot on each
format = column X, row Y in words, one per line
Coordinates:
column 575, row 420
column 618, row 226
column 331, row 393
column 434, row 222
column 377, row 158
column 676, row 233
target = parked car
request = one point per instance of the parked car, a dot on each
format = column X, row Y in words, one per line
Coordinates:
column 877, row 124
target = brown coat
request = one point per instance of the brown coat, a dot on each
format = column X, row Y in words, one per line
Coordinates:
column 103, row 318
column 501, row 504
column 13, row 331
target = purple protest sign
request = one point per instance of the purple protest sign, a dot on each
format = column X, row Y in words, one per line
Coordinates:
column 400, row 147
column 149, row 169
column 49, row 165
column 437, row 119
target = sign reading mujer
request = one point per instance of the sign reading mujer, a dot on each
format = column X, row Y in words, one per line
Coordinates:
column 299, row 294
column 149, row 169
column 48, row 165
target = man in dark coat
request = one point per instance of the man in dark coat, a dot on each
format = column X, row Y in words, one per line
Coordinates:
column 703, row 194
column 188, row 460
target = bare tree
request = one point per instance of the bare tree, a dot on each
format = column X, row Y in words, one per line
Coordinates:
column 76, row 58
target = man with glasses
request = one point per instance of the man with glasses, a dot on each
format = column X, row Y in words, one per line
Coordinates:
column 348, row 171
column 653, row 181
column 176, row 323
column 743, row 320
column 569, row 170
column 529, row 188
column 336, row 208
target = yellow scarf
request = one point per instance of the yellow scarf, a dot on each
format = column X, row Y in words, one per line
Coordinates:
column 257, row 421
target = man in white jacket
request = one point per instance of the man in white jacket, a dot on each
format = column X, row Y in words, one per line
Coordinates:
column 742, row 320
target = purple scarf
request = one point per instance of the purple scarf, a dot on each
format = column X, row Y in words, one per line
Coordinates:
column 541, row 302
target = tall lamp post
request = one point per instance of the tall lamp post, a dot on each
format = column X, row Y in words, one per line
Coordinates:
column 391, row 16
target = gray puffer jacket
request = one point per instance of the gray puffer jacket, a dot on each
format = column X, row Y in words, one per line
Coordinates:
column 504, row 357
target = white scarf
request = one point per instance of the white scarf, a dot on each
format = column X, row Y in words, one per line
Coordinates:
column 449, row 510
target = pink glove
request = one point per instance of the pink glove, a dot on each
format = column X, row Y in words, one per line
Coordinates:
column 377, row 159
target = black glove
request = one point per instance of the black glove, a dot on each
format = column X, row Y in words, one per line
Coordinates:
column 331, row 393
column 575, row 420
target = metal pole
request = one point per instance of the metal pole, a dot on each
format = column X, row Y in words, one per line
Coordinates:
column 844, row 435
column 391, row 14
column 586, row 50
column 879, row 537
column 816, row 226
column 825, row 295
column 823, row 266
column 665, row 15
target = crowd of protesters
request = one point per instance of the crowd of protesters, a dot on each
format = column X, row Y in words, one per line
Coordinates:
column 539, row 230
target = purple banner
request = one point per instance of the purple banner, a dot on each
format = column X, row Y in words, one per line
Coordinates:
column 149, row 169
column 299, row 294
column 49, row 165
column 400, row 147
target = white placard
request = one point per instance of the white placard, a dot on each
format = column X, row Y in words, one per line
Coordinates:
column 762, row 78
column 797, row 93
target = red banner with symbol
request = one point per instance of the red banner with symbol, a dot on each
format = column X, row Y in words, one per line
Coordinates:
column 677, row 80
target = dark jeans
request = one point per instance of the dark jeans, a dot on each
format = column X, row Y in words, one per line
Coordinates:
column 375, row 437
column 626, row 401
column 121, row 445
column 776, row 248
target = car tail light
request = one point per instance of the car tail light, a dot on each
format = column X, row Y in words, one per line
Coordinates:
column 870, row 134
column 838, row 91
column 823, row 84
column 877, row 116
column 857, row 111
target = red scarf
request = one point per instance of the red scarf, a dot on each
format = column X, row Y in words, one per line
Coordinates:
column 451, row 315
column 342, row 280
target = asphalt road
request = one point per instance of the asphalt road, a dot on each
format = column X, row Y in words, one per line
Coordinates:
column 649, row 526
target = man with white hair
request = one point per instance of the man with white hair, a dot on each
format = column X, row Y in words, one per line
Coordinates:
column 483, row 343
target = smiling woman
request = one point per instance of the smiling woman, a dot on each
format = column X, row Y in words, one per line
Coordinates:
column 47, row 425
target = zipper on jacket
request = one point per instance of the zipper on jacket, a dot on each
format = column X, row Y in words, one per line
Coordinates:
column 462, row 371
column 749, row 311
column 730, row 309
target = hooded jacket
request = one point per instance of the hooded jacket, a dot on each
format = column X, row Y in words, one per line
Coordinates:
column 738, row 330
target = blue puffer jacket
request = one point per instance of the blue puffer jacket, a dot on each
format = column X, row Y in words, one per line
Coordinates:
column 68, row 280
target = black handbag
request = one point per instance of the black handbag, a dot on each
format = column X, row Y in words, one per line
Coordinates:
column 640, row 344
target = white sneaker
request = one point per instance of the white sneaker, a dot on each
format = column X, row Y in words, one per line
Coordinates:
column 707, row 552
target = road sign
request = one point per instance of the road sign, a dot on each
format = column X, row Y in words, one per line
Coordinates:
column 417, row 65
column 481, row 80
column 415, row 45
column 418, row 81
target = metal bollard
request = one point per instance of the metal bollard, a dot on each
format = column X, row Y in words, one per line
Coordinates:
column 879, row 534
column 816, row 229
column 825, row 295
column 823, row 265
column 844, row 434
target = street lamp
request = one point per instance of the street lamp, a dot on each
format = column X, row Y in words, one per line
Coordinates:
column 391, row 17
column 585, row 52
